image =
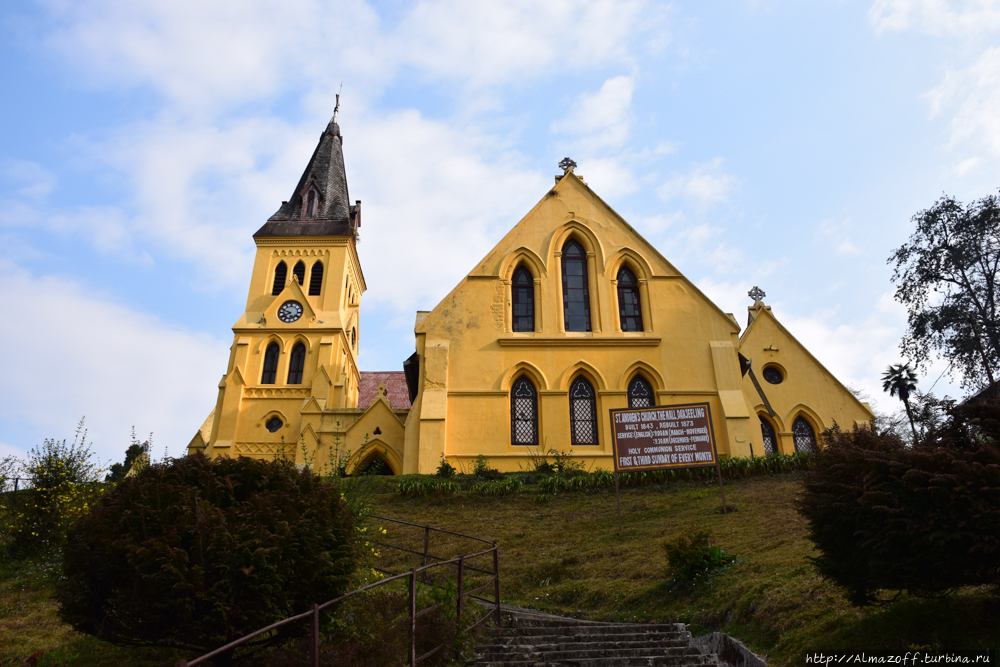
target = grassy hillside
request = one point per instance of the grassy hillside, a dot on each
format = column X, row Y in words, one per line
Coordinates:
column 563, row 554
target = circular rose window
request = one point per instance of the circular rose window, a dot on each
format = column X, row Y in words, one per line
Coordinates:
column 273, row 424
column 773, row 375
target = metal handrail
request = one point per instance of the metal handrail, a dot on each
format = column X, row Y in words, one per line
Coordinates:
column 411, row 575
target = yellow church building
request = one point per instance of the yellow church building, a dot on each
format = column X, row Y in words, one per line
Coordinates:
column 571, row 314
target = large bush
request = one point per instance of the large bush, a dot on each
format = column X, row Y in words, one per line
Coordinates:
column 924, row 519
column 196, row 552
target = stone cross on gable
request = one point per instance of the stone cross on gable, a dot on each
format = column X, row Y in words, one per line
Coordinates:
column 756, row 293
column 566, row 164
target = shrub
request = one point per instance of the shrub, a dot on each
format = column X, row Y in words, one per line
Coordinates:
column 427, row 487
column 925, row 519
column 691, row 558
column 117, row 471
column 483, row 470
column 195, row 553
column 63, row 483
column 446, row 469
column 501, row 487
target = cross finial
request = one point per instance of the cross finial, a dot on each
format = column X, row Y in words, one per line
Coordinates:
column 756, row 293
column 566, row 164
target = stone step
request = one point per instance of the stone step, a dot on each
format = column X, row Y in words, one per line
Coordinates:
column 680, row 654
column 650, row 661
column 641, row 641
column 592, row 630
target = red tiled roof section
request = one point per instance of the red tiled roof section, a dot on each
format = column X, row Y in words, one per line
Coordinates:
column 395, row 386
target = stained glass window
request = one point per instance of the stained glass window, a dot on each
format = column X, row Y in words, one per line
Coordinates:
column 640, row 393
column 522, row 291
column 270, row 373
column 296, row 362
column 629, row 307
column 523, row 413
column 583, row 412
column 576, row 292
column 804, row 435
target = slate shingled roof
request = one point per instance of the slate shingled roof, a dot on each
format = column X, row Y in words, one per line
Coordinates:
column 335, row 216
column 395, row 385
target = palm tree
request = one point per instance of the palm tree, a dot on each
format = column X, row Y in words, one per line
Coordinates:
column 900, row 380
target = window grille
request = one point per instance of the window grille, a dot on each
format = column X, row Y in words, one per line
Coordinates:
column 640, row 393
column 576, row 292
column 523, row 413
column 280, row 275
column 522, row 300
column 629, row 306
column 300, row 272
column 770, row 439
column 316, row 279
column 583, row 413
column 270, row 373
column 296, row 362
column 804, row 436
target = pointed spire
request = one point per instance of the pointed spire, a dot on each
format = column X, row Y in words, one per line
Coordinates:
column 320, row 203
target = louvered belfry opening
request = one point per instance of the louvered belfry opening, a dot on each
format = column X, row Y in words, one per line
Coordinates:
column 640, row 393
column 300, row 272
column 280, row 276
column 316, row 279
column 770, row 439
column 522, row 300
column 804, row 436
column 576, row 291
column 296, row 363
column 523, row 413
column 270, row 372
column 629, row 306
column 583, row 412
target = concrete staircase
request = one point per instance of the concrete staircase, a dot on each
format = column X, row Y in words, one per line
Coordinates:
column 534, row 639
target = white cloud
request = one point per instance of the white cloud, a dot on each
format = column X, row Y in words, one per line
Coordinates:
column 837, row 235
column 601, row 119
column 29, row 179
column 75, row 353
column 609, row 177
column 936, row 17
column 974, row 94
column 704, row 185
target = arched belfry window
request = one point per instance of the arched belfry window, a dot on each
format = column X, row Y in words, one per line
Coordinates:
column 270, row 373
column 280, row 275
column 576, row 291
column 770, row 439
column 523, row 413
column 300, row 272
column 583, row 412
column 316, row 279
column 629, row 306
column 640, row 393
column 522, row 292
column 296, row 363
column 804, row 435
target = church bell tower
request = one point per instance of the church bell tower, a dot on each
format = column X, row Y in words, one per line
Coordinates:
column 294, row 354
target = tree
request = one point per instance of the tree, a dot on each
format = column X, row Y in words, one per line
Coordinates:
column 900, row 380
column 946, row 275
column 118, row 471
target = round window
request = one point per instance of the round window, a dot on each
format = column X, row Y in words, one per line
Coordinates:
column 273, row 424
column 773, row 375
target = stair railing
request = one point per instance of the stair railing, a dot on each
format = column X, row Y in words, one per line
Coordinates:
column 461, row 563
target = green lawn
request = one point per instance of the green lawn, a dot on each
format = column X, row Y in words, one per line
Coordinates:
column 563, row 554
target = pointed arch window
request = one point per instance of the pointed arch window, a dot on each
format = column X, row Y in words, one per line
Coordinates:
column 640, row 393
column 296, row 362
column 300, row 272
column 768, row 436
column 804, row 436
column 311, row 204
column 583, row 412
column 523, row 413
column 280, row 275
column 523, row 300
column 316, row 279
column 629, row 306
column 354, row 337
column 576, row 291
column 270, row 373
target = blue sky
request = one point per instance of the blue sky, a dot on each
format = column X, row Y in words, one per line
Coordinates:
column 770, row 143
